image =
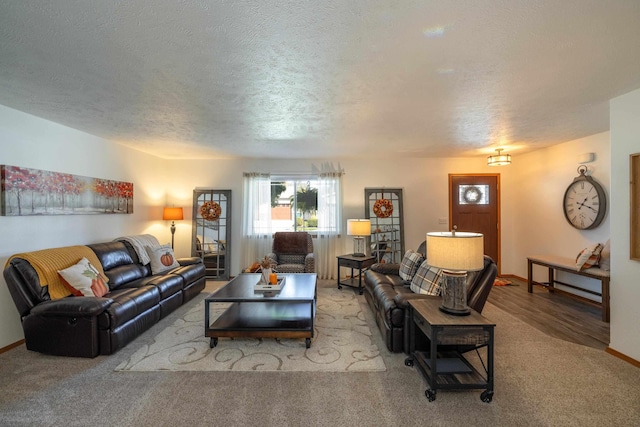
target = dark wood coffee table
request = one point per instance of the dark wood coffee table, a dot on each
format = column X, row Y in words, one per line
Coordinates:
column 288, row 313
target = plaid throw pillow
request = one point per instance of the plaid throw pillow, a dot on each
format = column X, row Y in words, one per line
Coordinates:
column 426, row 280
column 409, row 265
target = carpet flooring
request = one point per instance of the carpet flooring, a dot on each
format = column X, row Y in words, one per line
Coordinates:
column 342, row 342
column 539, row 381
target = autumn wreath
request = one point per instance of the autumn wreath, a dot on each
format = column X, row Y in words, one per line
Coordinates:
column 383, row 208
column 210, row 211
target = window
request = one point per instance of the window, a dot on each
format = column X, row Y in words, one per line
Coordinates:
column 310, row 203
column 473, row 194
column 294, row 205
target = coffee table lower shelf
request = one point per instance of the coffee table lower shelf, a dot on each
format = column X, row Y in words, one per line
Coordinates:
column 263, row 320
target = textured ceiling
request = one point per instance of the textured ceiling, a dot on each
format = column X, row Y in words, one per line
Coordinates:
column 324, row 78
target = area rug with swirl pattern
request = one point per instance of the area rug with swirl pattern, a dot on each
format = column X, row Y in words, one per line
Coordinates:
column 342, row 342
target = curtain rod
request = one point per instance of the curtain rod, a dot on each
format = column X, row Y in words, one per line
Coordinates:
column 294, row 174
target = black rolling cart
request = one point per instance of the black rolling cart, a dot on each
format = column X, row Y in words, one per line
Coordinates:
column 439, row 345
column 359, row 263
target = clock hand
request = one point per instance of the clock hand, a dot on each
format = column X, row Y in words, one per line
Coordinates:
column 582, row 204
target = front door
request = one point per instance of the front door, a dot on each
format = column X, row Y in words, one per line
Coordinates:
column 474, row 205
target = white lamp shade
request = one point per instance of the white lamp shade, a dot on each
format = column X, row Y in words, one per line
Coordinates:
column 358, row 227
column 455, row 252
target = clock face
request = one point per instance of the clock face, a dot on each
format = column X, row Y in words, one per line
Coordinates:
column 584, row 204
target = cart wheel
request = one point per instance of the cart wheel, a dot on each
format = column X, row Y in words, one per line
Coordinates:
column 408, row 361
column 339, row 286
column 213, row 342
column 307, row 342
column 431, row 394
column 486, row 396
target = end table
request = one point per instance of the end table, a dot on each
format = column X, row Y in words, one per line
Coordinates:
column 354, row 262
column 443, row 363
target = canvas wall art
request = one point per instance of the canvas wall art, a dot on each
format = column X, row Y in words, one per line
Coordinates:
column 27, row 191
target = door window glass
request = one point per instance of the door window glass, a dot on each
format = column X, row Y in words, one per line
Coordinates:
column 473, row 194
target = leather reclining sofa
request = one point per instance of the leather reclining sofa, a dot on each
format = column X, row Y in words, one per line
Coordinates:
column 91, row 326
column 388, row 297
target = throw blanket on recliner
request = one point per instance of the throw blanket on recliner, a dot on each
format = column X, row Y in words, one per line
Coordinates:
column 139, row 242
column 292, row 243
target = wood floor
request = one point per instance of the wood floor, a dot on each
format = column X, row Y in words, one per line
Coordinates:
column 555, row 314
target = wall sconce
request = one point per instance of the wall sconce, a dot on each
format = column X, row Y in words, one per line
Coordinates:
column 173, row 215
column 359, row 228
column 499, row 159
column 455, row 253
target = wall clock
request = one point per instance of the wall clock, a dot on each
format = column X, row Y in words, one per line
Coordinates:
column 585, row 202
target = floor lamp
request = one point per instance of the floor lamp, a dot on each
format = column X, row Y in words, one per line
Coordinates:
column 455, row 253
column 173, row 215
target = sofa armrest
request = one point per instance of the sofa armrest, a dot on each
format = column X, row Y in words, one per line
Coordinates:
column 402, row 299
column 189, row 261
column 310, row 263
column 386, row 268
column 72, row 307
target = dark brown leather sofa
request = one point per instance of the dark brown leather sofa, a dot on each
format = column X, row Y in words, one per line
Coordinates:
column 388, row 296
column 89, row 326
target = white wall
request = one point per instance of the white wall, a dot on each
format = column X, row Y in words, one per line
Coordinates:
column 533, row 218
column 424, row 183
column 625, row 273
column 31, row 142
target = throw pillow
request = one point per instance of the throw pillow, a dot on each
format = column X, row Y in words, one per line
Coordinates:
column 605, row 257
column 426, row 280
column 162, row 258
column 588, row 257
column 83, row 279
column 410, row 264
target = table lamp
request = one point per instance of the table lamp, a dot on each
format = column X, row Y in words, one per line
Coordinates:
column 455, row 253
column 359, row 228
column 173, row 215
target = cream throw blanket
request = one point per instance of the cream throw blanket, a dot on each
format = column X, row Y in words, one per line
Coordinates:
column 139, row 242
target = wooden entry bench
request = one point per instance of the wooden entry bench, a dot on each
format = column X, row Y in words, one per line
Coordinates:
column 568, row 265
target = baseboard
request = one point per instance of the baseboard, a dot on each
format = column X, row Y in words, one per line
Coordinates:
column 11, row 346
column 622, row 356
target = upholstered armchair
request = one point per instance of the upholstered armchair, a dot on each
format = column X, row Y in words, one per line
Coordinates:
column 292, row 252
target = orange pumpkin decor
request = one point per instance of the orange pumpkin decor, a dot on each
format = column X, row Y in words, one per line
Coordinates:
column 98, row 286
column 210, row 211
column 166, row 259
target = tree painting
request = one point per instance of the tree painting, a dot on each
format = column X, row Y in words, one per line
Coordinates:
column 27, row 191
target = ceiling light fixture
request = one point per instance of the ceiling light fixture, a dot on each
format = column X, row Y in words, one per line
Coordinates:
column 499, row 159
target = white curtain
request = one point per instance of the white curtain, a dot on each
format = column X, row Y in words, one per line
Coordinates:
column 327, row 245
column 256, row 221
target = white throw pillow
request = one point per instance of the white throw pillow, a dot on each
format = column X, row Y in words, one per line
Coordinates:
column 162, row 258
column 83, row 279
